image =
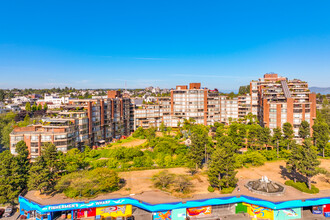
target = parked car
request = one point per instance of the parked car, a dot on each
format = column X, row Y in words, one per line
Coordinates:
column 1, row 212
column 8, row 212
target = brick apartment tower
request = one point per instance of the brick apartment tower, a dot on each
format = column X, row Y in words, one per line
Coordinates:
column 277, row 100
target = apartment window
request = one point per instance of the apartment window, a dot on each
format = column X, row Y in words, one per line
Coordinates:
column 59, row 137
column 34, row 144
column 34, row 138
column 17, row 138
column 59, row 143
column 34, row 150
column 46, row 138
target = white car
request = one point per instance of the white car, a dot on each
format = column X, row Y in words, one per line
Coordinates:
column 8, row 212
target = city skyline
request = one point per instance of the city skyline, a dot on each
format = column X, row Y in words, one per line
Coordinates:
column 105, row 44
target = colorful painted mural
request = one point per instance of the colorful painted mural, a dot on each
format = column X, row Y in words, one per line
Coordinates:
column 198, row 211
column 259, row 211
column 162, row 215
column 284, row 214
column 179, row 214
column 114, row 211
column 83, row 213
column 317, row 209
column 326, row 210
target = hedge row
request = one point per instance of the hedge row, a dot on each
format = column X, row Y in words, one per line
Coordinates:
column 302, row 187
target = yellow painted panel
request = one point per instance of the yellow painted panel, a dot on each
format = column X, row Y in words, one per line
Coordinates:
column 259, row 211
column 115, row 211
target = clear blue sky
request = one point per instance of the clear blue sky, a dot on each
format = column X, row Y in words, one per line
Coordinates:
column 103, row 44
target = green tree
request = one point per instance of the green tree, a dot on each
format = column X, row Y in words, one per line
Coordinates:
column 253, row 135
column 325, row 111
column 44, row 172
column 288, row 133
column 277, row 139
column 139, row 133
column 199, row 139
column 27, row 119
column 74, row 160
column 39, row 107
column 304, row 130
column 321, row 135
column 162, row 128
column 309, row 165
column 5, row 132
column 45, row 106
column 221, row 171
column 8, row 170
column 28, row 106
column 294, row 160
column 34, row 107
column 23, row 162
column 264, row 137
column 220, row 131
column 150, row 133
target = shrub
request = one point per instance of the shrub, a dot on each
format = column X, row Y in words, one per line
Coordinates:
column 301, row 186
column 269, row 154
column 255, row 158
column 284, row 153
column 163, row 179
column 227, row 190
column 139, row 133
column 98, row 163
column 182, row 183
column 88, row 183
column 210, row 189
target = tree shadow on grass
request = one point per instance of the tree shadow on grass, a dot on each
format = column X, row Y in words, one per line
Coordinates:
column 291, row 175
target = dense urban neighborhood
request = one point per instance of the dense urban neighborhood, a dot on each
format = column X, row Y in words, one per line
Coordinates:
column 183, row 153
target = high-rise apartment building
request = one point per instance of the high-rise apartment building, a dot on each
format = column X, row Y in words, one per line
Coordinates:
column 201, row 104
column 281, row 100
column 79, row 122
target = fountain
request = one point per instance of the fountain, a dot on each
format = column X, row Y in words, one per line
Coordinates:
column 265, row 186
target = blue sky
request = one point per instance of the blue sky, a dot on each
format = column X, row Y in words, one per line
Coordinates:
column 103, row 44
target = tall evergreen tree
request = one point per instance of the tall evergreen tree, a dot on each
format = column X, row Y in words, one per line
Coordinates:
column 277, row 139
column 39, row 107
column 23, row 163
column 309, row 164
column 264, row 137
column 45, row 106
column 304, row 130
column 34, row 107
column 321, row 135
column 44, row 172
column 288, row 133
column 293, row 161
column 28, row 106
column 253, row 134
column 8, row 168
column 39, row 176
column 221, row 171
column 199, row 138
